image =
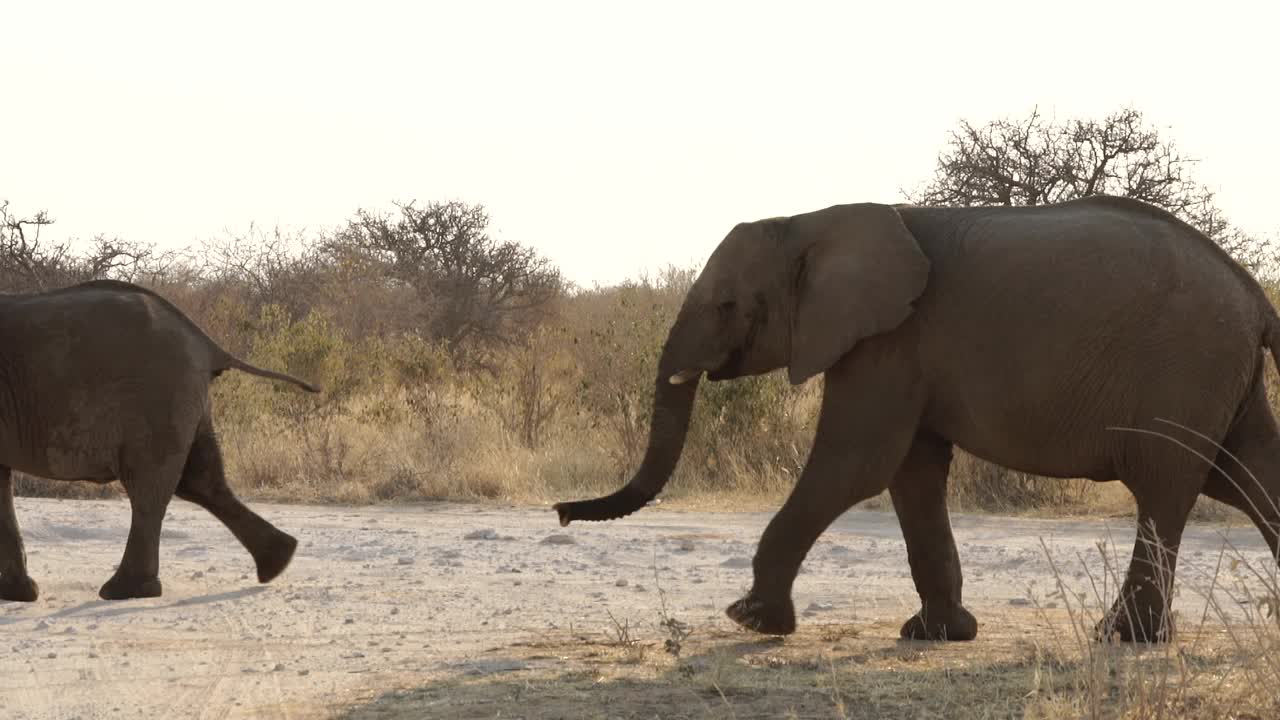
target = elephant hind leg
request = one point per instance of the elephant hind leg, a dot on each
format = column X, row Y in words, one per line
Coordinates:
column 1165, row 481
column 204, row 483
column 919, row 493
column 15, row 584
column 1141, row 613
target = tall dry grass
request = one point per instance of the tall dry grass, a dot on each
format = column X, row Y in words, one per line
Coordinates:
column 1222, row 660
column 561, row 412
column 556, row 412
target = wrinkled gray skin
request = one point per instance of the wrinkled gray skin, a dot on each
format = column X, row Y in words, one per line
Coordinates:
column 1027, row 336
column 107, row 380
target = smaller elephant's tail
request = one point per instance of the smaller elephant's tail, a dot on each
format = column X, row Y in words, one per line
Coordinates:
column 235, row 362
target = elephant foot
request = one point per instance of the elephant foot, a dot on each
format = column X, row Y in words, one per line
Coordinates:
column 18, row 589
column 276, row 557
column 951, row 623
column 762, row 616
column 1134, row 627
column 124, row 588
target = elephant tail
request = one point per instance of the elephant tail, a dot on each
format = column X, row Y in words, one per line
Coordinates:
column 232, row 361
column 219, row 358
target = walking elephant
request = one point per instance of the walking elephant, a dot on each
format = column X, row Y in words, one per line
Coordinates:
column 1053, row 340
column 107, row 380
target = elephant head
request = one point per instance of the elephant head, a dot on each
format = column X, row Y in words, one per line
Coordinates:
column 795, row 292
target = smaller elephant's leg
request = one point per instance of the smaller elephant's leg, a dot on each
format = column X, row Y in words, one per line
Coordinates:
column 15, row 584
column 149, row 491
column 1142, row 613
column 204, row 483
column 919, row 495
column 864, row 429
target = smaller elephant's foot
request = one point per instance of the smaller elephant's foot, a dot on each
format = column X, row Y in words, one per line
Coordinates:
column 776, row 617
column 18, row 588
column 275, row 556
column 1133, row 627
column 945, row 623
column 120, row 587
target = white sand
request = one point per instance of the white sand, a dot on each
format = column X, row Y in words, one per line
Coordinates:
column 380, row 596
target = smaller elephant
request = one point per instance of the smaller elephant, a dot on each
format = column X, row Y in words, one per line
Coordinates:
column 108, row 380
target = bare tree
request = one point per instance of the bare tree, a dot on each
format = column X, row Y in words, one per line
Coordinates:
column 26, row 262
column 473, row 290
column 120, row 260
column 1035, row 161
column 29, row 263
column 274, row 268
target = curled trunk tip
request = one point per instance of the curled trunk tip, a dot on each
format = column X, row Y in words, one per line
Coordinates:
column 610, row 507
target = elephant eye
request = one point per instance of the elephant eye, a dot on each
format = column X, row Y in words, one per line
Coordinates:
column 726, row 307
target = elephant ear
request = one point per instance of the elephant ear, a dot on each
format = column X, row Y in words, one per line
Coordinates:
column 859, row 271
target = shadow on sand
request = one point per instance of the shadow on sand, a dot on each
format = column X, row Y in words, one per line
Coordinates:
column 828, row 672
column 111, row 608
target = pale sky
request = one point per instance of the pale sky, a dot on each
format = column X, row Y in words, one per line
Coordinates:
column 613, row 140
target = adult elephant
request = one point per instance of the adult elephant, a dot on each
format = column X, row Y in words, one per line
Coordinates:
column 1028, row 336
column 107, row 380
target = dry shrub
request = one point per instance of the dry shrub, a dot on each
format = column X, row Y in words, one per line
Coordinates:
column 527, row 386
column 976, row 484
column 31, row 486
column 558, row 409
column 615, row 336
column 750, row 435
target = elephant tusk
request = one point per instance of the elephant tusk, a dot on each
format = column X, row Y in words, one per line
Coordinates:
column 684, row 376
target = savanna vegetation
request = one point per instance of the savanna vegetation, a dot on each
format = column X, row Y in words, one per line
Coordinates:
column 459, row 365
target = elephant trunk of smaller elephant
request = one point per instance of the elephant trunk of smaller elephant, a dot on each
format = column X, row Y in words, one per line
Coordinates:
column 672, row 406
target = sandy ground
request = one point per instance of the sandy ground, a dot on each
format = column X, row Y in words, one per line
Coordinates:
column 384, row 597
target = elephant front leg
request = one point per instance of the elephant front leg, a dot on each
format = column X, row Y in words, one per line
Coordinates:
column 864, row 430
column 919, row 495
column 767, row 608
column 15, row 584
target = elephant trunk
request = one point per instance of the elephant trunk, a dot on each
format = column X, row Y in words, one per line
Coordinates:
column 672, row 406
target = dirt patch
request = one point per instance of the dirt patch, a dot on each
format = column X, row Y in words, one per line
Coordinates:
column 827, row 671
column 448, row 610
